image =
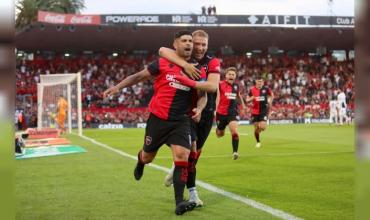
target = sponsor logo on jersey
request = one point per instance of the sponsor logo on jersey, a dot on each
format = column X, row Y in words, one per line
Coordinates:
column 230, row 95
column 260, row 98
column 175, row 83
column 179, row 86
column 171, row 78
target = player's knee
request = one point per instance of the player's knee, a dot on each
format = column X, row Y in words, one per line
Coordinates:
column 235, row 135
column 219, row 133
column 182, row 155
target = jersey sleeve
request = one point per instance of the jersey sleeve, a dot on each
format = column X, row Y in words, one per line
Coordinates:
column 153, row 68
column 214, row 66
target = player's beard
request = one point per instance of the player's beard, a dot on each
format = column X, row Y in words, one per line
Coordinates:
column 185, row 53
column 198, row 56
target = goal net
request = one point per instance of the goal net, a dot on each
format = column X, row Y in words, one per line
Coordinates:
column 59, row 102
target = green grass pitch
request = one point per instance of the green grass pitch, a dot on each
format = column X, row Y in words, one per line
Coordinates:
column 305, row 170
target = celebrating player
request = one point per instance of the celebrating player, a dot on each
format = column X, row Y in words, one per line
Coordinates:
column 227, row 109
column 262, row 97
column 204, row 126
column 168, row 122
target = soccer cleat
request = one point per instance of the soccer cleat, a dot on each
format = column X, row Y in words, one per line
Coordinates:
column 235, row 155
column 168, row 180
column 258, row 145
column 194, row 198
column 139, row 170
column 184, row 206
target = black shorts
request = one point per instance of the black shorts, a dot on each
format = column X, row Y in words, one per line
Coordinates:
column 204, row 127
column 259, row 118
column 223, row 120
column 159, row 132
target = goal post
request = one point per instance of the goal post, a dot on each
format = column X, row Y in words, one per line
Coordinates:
column 59, row 102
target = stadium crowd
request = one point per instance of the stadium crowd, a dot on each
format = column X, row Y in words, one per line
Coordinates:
column 301, row 84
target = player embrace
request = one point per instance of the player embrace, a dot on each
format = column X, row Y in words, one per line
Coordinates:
column 169, row 121
column 201, row 128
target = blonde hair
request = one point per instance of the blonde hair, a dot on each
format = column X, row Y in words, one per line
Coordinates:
column 200, row 33
column 231, row 69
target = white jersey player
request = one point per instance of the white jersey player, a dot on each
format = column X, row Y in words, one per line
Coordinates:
column 333, row 107
column 342, row 107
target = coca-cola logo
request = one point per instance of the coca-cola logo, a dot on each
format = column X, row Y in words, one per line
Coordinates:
column 81, row 20
column 54, row 18
column 75, row 19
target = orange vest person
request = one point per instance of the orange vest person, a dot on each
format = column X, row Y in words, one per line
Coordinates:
column 62, row 112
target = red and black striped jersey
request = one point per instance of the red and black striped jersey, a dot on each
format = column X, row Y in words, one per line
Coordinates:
column 171, row 100
column 228, row 99
column 260, row 104
column 211, row 65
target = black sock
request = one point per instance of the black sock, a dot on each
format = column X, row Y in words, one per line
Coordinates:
column 191, row 170
column 180, row 177
column 198, row 155
column 257, row 135
column 235, row 142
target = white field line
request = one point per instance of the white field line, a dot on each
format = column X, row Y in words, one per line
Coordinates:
column 275, row 212
column 228, row 132
column 267, row 155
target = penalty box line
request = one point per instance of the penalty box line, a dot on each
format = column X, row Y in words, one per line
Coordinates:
column 250, row 202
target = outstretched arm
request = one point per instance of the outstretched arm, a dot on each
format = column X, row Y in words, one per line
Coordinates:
column 208, row 86
column 127, row 82
column 171, row 55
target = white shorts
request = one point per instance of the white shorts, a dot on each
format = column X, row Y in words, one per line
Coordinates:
column 342, row 111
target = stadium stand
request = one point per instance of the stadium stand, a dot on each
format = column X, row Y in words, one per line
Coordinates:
column 301, row 84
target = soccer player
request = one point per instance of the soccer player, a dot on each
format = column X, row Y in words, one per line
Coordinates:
column 333, row 108
column 262, row 97
column 204, row 126
column 62, row 106
column 227, row 109
column 169, row 121
column 342, row 107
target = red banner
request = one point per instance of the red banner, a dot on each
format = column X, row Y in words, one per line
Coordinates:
column 71, row 19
